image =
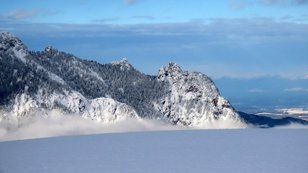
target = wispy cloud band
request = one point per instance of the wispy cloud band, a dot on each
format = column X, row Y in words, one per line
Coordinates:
column 250, row 47
column 19, row 14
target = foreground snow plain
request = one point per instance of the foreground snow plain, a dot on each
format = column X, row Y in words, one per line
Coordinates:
column 237, row 150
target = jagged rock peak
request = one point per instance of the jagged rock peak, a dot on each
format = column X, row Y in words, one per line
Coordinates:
column 6, row 34
column 123, row 63
column 10, row 44
column 50, row 48
column 172, row 67
column 9, row 40
column 172, row 70
column 193, row 99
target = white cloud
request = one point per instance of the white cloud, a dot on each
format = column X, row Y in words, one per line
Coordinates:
column 293, row 111
column 19, row 14
column 283, row 2
column 296, row 89
column 237, row 5
column 130, row 2
column 144, row 17
column 254, row 90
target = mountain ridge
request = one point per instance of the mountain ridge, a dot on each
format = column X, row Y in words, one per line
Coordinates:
column 51, row 79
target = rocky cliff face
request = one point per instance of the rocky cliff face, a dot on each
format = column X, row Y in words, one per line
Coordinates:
column 51, row 79
column 193, row 99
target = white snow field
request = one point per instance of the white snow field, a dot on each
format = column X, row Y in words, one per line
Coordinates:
column 187, row 151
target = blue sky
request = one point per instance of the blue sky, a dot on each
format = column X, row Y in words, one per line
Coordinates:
column 226, row 39
column 233, row 38
column 150, row 11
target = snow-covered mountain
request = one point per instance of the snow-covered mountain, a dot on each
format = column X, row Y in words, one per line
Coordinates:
column 50, row 79
column 28, row 86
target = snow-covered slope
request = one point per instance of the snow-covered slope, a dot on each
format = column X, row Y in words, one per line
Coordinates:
column 194, row 100
column 41, row 90
column 102, row 109
column 108, row 110
column 217, row 151
column 13, row 46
